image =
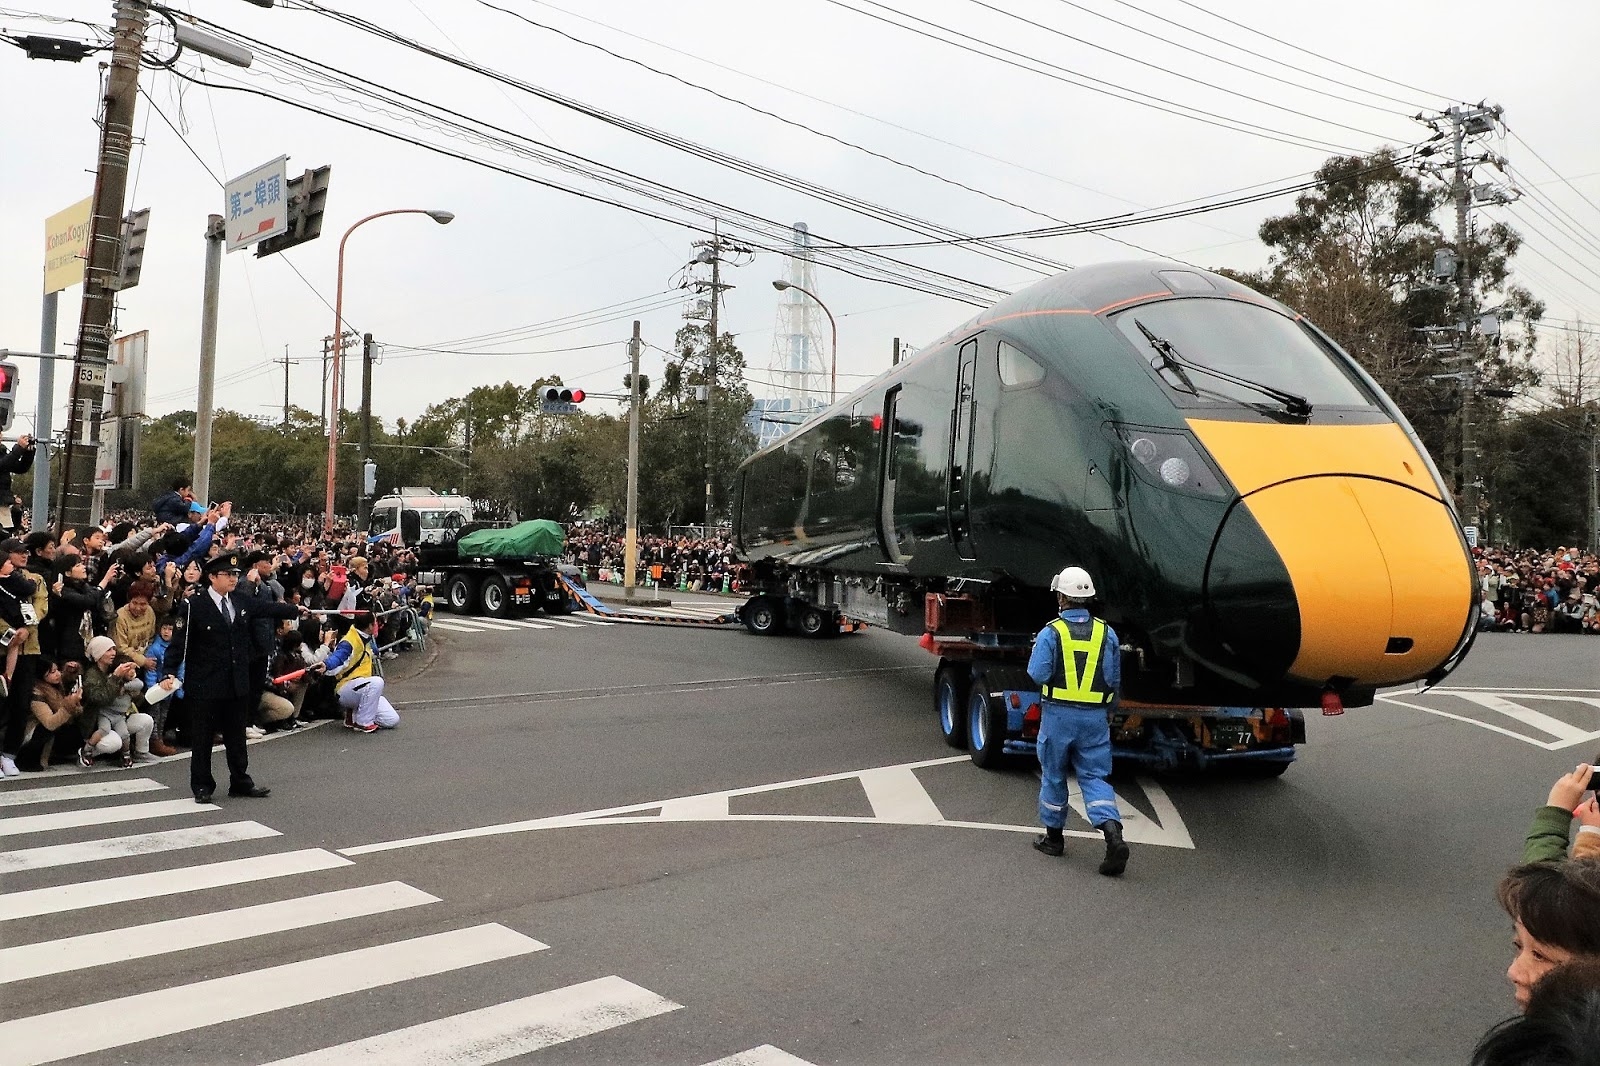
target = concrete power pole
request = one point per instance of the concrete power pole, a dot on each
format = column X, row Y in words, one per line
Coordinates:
column 630, row 543
column 1466, row 296
column 286, row 363
column 105, row 253
column 711, row 361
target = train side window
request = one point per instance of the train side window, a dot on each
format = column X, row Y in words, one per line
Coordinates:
column 1018, row 370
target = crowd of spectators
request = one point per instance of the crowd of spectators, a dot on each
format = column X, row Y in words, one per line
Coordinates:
column 1539, row 591
column 694, row 563
column 86, row 618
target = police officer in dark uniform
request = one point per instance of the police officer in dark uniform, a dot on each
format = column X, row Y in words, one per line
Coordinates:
column 213, row 642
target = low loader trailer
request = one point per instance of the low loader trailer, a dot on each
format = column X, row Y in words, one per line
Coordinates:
column 983, row 699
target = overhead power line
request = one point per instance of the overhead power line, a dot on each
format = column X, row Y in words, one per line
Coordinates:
column 1044, row 68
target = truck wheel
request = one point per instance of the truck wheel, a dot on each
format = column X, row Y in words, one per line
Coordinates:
column 986, row 728
column 461, row 593
column 762, row 616
column 814, row 622
column 950, row 703
column 494, row 596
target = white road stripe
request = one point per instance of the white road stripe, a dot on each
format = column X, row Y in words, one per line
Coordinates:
column 1562, row 731
column 765, row 1055
column 132, row 812
column 504, row 1031
column 130, row 887
column 674, row 612
column 21, row 796
column 84, row 1030
column 562, row 622
column 136, row 844
column 102, row 948
column 897, row 796
column 464, row 623
column 456, row 627
column 526, row 623
column 591, row 619
column 478, row 622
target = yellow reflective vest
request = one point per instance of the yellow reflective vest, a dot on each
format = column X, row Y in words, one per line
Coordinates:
column 1085, row 687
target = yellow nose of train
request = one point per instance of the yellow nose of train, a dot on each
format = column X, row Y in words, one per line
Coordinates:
column 1381, row 577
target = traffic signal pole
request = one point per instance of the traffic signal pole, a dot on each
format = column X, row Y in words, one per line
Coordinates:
column 100, row 273
column 209, row 307
column 363, row 501
column 42, row 428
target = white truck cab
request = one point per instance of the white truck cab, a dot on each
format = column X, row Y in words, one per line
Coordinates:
column 418, row 515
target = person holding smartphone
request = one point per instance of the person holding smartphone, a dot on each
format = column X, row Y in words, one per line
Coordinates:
column 1547, row 839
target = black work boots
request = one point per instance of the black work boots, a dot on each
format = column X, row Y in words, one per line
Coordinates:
column 1116, row 859
column 1050, row 842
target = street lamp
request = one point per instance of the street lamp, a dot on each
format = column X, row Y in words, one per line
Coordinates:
column 833, row 372
column 441, row 217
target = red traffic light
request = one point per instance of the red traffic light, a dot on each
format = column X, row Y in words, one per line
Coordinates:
column 8, row 379
column 577, row 395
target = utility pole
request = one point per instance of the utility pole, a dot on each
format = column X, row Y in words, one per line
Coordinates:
column 105, row 253
column 286, row 363
column 208, row 358
column 1593, row 420
column 630, row 543
column 1466, row 297
column 711, row 253
column 325, row 351
column 43, row 445
column 363, row 501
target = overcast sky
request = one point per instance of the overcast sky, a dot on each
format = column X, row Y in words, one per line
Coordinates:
column 520, row 254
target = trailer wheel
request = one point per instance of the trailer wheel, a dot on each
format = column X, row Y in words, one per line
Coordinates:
column 461, row 593
column 762, row 616
column 986, row 728
column 494, row 595
column 814, row 622
column 950, row 702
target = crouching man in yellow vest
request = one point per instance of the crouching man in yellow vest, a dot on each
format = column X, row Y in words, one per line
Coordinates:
column 1077, row 662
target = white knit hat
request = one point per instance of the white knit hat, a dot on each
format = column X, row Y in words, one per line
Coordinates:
column 98, row 646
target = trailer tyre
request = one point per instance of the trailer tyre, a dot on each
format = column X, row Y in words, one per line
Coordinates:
column 494, row 596
column 461, row 593
column 986, row 728
column 814, row 622
column 762, row 616
column 950, row 703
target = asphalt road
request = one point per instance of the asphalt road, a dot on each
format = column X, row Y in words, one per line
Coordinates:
column 694, row 843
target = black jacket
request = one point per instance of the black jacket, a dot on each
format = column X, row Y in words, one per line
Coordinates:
column 215, row 655
column 171, row 508
column 18, row 460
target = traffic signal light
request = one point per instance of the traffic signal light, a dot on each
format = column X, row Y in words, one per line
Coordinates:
column 308, row 197
column 135, row 228
column 557, row 400
column 8, row 392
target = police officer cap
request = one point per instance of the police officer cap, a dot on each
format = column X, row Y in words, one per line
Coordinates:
column 224, row 563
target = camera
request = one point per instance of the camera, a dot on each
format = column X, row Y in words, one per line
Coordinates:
column 7, row 637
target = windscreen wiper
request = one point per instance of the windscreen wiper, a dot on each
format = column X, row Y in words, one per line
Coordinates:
column 1293, row 403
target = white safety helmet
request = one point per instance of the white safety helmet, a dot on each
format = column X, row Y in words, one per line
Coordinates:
column 1074, row 582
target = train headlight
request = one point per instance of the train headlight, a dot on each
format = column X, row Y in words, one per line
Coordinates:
column 1173, row 460
column 1175, row 472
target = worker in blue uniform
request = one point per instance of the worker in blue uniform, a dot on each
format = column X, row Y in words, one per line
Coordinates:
column 1077, row 662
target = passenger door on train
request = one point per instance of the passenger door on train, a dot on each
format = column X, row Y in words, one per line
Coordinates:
column 914, row 505
column 958, row 488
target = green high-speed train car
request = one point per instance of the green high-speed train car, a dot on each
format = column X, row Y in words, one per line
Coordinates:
column 1262, row 523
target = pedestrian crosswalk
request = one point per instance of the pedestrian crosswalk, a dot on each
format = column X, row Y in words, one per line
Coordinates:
column 141, row 915
column 694, row 611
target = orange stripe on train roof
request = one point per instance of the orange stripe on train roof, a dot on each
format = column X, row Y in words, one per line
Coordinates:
column 1111, row 306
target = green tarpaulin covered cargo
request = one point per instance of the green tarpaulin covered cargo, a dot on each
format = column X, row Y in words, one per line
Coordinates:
column 525, row 539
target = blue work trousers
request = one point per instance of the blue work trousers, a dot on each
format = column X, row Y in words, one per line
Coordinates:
column 1078, row 737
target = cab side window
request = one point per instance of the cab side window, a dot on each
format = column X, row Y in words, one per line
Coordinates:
column 1018, row 370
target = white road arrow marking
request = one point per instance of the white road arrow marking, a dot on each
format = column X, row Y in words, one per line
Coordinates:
column 896, row 794
column 1512, row 704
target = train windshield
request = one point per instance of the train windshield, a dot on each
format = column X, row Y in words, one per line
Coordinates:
column 1262, row 351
